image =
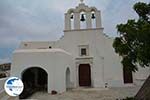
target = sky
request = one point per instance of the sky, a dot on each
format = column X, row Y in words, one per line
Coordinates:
column 43, row 20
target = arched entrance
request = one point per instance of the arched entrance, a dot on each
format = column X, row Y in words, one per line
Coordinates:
column 68, row 79
column 34, row 79
column 84, row 75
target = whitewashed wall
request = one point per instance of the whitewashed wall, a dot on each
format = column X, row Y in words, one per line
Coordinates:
column 54, row 61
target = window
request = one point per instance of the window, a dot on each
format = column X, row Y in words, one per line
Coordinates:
column 25, row 45
column 83, row 52
column 50, row 47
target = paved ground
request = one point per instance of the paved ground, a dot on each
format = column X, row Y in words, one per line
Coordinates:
column 89, row 94
column 82, row 94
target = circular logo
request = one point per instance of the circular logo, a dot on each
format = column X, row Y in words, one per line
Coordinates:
column 13, row 86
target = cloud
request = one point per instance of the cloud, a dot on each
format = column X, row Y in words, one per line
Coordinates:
column 29, row 20
column 118, row 12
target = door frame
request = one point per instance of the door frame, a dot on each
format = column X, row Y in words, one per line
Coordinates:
column 80, row 61
column 125, row 79
column 88, row 76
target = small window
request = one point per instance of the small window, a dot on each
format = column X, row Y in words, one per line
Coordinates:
column 25, row 45
column 50, row 47
column 83, row 52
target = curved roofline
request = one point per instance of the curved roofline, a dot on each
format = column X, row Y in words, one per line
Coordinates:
column 82, row 7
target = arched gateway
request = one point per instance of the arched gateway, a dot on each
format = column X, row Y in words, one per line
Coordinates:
column 34, row 79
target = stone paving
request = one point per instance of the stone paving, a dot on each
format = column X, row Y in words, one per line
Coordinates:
column 83, row 94
column 89, row 94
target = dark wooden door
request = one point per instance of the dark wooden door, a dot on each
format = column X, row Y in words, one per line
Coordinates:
column 127, row 74
column 84, row 75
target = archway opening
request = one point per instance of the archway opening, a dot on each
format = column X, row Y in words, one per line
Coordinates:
column 85, row 75
column 83, row 20
column 68, row 79
column 72, row 20
column 93, row 19
column 34, row 79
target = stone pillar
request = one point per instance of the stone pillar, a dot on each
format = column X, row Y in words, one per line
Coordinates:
column 76, row 20
column 67, row 22
column 88, row 20
column 98, row 19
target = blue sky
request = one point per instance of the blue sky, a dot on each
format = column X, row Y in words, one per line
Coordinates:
column 42, row 20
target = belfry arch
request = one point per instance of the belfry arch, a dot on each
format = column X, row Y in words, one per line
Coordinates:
column 84, row 17
column 83, row 20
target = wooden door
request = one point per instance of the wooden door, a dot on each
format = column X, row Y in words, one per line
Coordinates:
column 84, row 75
column 127, row 75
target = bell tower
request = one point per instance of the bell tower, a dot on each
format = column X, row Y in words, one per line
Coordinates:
column 82, row 17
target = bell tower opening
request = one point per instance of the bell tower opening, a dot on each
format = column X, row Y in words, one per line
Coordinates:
column 93, row 18
column 72, row 20
column 82, row 17
column 82, row 20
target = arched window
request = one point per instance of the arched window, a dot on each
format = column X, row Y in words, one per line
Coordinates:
column 93, row 18
column 83, row 20
column 72, row 20
column 68, row 79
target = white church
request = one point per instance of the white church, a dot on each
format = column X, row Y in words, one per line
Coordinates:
column 83, row 57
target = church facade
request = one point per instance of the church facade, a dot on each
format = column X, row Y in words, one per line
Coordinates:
column 83, row 57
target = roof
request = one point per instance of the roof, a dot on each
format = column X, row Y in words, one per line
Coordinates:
column 41, row 50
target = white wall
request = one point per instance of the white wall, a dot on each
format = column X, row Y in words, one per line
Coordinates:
column 54, row 62
column 106, row 67
column 106, row 63
column 141, row 75
column 37, row 45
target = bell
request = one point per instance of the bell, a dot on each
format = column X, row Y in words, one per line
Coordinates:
column 82, row 18
column 93, row 16
column 71, row 17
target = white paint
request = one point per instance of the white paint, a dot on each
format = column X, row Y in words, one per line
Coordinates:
column 54, row 62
